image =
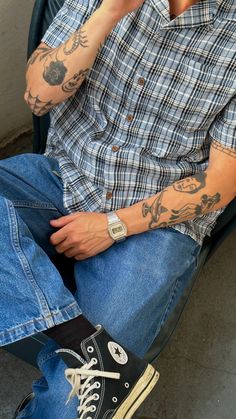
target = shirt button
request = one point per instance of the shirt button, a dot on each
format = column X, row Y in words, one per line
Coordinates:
column 130, row 118
column 141, row 81
column 115, row 148
column 109, row 195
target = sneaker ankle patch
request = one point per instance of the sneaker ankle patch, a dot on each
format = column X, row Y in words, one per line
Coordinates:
column 118, row 353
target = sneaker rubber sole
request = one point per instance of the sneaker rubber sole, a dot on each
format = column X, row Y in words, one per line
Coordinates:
column 138, row 394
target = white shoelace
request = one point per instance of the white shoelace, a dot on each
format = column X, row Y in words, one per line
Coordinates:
column 80, row 380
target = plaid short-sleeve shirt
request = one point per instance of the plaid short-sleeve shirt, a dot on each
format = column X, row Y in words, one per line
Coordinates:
column 159, row 91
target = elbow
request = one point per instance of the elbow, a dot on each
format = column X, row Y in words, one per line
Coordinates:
column 37, row 106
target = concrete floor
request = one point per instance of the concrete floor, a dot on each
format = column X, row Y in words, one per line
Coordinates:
column 198, row 367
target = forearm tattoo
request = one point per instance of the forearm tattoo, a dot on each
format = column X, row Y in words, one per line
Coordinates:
column 40, row 53
column 191, row 184
column 188, row 211
column 156, row 209
column 78, row 39
column 74, row 82
column 55, row 69
column 37, row 106
column 230, row 151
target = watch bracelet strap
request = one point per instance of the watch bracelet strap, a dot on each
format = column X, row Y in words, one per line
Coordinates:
column 113, row 217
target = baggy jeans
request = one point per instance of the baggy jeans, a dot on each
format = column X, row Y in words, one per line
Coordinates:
column 130, row 289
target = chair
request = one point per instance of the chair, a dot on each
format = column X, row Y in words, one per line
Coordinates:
column 27, row 349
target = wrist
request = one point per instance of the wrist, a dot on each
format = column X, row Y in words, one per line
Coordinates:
column 108, row 15
column 132, row 217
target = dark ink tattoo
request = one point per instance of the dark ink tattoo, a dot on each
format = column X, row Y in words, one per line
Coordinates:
column 78, row 39
column 191, row 184
column 54, row 73
column 194, row 210
column 37, row 106
column 188, row 211
column 156, row 209
column 41, row 52
column 74, row 83
column 218, row 146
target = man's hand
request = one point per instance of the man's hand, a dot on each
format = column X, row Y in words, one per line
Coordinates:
column 81, row 235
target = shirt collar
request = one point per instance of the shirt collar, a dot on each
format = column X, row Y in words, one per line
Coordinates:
column 199, row 14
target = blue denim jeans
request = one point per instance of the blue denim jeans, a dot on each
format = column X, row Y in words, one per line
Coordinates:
column 130, row 289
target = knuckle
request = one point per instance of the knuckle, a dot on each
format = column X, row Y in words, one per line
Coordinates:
column 73, row 238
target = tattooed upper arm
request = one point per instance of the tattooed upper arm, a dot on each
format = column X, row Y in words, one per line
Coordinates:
column 219, row 147
column 222, row 163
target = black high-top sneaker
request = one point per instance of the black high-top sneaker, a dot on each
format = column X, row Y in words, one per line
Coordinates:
column 111, row 382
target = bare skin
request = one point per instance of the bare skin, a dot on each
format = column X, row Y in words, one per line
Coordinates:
column 82, row 235
column 55, row 74
column 178, row 7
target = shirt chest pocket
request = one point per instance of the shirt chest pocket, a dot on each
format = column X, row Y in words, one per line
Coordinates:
column 190, row 93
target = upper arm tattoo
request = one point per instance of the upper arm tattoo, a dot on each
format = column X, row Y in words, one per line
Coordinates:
column 218, row 146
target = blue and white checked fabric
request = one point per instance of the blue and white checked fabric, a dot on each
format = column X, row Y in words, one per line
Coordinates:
column 159, row 91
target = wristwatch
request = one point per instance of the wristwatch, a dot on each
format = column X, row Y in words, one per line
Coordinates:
column 116, row 228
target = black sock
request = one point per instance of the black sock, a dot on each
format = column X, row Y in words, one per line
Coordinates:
column 70, row 334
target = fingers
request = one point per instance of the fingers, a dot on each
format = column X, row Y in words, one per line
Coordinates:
column 58, row 237
column 63, row 247
column 62, row 221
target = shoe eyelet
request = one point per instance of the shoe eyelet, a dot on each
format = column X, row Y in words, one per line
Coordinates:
column 95, row 361
column 90, row 349
column 98, row 385
column 126, row 385
column 114, row 399
column 93, row 408
column 96, row 396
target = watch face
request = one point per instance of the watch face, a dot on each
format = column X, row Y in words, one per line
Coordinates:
column 117, row 230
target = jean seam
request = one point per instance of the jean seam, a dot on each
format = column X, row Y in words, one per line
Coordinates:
column 47, row 357
column 33, row 204
column 52, row 314
column 62, row 312
column 15, row 240
column 170, row 300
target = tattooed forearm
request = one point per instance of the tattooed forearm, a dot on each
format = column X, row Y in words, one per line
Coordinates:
column 156, row 209
column 191, row 184
column 55, row 74
column 55, row 69
column 230, row 151
column 188, row 211
column 74, row 83
column 37, row 106
column 78, row 39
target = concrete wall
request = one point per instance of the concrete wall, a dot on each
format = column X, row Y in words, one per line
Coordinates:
column 15, row 117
